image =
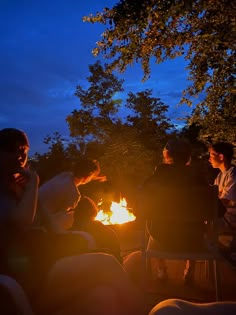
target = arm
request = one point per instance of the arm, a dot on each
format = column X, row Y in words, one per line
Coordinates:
column 24, row 212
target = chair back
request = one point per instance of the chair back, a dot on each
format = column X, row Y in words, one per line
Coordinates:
column 183, row 223
column 179, row 216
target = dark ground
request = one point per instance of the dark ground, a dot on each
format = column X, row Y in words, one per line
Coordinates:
column 201, row 291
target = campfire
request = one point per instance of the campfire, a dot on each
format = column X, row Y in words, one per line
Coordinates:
column 118, row 214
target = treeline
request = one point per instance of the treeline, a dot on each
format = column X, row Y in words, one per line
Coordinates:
column 126, row 136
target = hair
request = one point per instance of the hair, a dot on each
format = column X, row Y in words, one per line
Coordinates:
column 84, row 167
column 86, row 210
column 225, row 148
column 10, row 137
column 179, row 150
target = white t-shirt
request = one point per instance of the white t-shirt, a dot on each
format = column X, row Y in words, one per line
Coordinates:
column 226, row 182
column 59, row 193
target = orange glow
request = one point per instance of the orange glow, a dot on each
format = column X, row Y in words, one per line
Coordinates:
column 119, row 214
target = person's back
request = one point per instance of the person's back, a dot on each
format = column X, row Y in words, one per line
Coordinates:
column 170, row 190
column 59, row 193
column 168, row 195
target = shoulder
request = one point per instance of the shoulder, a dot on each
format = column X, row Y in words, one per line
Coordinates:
column 181, row 175
column 197, row 176
column 59, row 179
column 230, row 175
column 162, row 171
column 62, row 176
column 232, row 171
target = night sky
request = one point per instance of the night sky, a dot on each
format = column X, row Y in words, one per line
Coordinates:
column 45, row 51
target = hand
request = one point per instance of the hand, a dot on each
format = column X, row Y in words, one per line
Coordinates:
column 101, row 178
column 26, row 176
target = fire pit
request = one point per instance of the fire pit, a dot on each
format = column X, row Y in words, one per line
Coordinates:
column 123, row 222
column 118, row 214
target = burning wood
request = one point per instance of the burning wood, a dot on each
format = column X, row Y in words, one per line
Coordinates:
column 118, row 214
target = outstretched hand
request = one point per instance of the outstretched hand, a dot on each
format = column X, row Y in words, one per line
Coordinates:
column 101, row 178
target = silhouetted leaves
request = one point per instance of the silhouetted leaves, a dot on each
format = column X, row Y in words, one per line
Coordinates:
column 203, row 31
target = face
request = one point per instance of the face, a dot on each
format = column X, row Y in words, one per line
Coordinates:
column 14, row 159
column 166, row 157
column 216, row 159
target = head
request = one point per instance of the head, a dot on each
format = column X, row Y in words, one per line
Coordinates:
column 14, row 147
column 221, row 154
column 86, row 170
column 177, row 151
column 85, row 211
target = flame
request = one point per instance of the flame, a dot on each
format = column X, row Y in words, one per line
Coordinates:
column 119, row 214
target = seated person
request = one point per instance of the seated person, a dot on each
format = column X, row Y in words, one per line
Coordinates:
column 221, row 155
column 175, row 175
column 84, row 219
column 61, row 193
column 19, row 195
column 93, row 275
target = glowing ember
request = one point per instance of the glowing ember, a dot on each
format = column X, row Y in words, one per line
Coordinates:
column 119, row 214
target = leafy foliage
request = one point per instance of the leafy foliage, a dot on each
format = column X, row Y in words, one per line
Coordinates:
column 126, row 161
column 124, row 145
column 61, row 153
column 98, row 118
column 52, row 162
column 202, row 30
column 148, row 118
column 95, row 119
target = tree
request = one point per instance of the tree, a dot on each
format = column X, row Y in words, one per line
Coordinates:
column 59, row 157
column 202, row 30
column 52, row 162
column 99, row 106
column 126, row 145
column 127, row 161
column 148, row 118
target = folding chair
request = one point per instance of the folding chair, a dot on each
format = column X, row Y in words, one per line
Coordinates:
column 188, row 206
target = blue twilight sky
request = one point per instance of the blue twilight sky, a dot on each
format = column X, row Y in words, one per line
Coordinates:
column 45, row 50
